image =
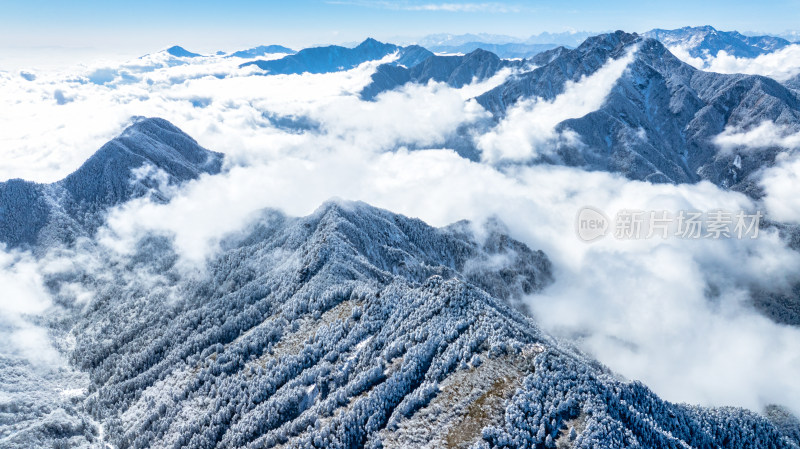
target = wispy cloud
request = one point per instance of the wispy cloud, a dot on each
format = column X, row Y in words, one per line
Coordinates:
column 529, row 130
column 781, row 64
column 767, row 134
column 490, row 7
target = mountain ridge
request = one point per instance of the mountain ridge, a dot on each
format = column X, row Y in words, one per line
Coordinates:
column 353, row 326
column 703, row 41
column 260, row 50
column 680, row 108
column 74, row 206
column 326, row 59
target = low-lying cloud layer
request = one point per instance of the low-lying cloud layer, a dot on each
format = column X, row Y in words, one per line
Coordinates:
column 766, row 135
column 529, row 129
column 780, row 180
column 781, row 64
column 780, row 186
column 674, row 313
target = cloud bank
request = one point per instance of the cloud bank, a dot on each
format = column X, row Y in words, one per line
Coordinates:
column 781, row 64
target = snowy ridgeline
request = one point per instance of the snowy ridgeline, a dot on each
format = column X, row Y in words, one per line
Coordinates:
column 659, row 121
column 357, row 327
column 352, row 327
column 146, row 159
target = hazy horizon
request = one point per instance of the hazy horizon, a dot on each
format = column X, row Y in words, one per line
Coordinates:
column 45, row 33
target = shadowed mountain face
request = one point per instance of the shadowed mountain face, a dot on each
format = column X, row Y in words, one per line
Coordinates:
column 412, row 55
column 147, row 156
column 261, row 50
column 181, row 52
column 706, row 41
column 659, row 121
column 328, row 59
column 455, row 71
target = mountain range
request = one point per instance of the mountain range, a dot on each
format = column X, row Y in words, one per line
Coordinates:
column 505, row 51
column 261, row 50
column 705, row 41
column 659, row 121
column 700, row 41
column 455, row 71
column 350, row 327
column 335, row 58
column 566, row 38
column 657, row 124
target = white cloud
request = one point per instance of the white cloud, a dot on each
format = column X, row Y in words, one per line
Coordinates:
column 528, row 130
column 780, row 185
column 779, row 181
column 24, row 296
column 766, row 135
column 781, row 64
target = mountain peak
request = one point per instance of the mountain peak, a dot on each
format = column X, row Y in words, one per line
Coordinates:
column 153, row 141
column 479, row 52
column 706, row 40
column 120, row 170
column 332, row 58
column 370, row 43
column 181, row 52
column 615, row 40
column 705, row 28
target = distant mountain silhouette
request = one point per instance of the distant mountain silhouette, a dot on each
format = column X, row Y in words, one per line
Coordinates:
column 261, row 50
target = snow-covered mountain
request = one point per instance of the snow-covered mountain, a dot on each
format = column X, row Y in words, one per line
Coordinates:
column 661, row 116
column 335, row 58
column 146, row 159
column 456, row 71
column 350, row 327
column 705, row 41
column 658, row 123
column 565, row 38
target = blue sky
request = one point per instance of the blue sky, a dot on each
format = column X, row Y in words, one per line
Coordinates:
column 201, row 25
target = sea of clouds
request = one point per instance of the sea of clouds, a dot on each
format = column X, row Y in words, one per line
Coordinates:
column 674, row 313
